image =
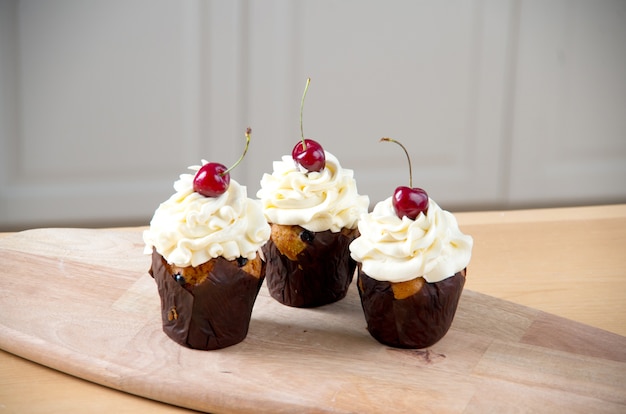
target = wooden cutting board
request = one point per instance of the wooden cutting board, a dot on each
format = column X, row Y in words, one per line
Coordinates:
column 81, row 301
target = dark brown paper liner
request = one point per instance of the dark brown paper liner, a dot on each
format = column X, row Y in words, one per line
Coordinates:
column 321, row 274
column 212, row 315
column 417, row 321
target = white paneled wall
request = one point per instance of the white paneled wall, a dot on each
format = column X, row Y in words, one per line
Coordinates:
column 501, row 104
column 569, row 128
column 102, row 97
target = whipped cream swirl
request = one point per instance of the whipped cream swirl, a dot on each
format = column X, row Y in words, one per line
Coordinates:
column 396, row 250
column 189, row 229
column 317, row 201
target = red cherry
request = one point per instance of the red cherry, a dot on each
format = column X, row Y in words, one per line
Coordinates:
column 308, row 153
column 211, row 180
column 312, row 158
column 409, row 202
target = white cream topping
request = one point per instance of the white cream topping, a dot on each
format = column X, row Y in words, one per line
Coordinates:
column 189, row 229
column 396, row 250
column 317, row 201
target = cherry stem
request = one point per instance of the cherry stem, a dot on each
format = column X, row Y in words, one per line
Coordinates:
column 306, row 88
column 386, row 139
column 248, row 132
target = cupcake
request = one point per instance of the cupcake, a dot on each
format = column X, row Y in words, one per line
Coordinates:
column 313, row 216
column 205, row 244
column 412, row 260
column 312, row 205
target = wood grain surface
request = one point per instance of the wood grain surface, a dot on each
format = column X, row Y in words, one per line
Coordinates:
column 80, row 301
column 565, row 261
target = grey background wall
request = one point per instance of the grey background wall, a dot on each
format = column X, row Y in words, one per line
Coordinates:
column 502, row 104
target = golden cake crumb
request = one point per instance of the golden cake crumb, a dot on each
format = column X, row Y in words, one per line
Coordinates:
column 197, row 275
column 172, row 314
column 402, row 290
column 287, row 240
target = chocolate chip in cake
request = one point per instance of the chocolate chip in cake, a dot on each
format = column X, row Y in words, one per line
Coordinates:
column 180, row 279
column 241, row 261
column 307, row 236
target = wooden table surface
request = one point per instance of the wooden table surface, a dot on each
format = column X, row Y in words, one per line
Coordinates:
column 566, row 261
